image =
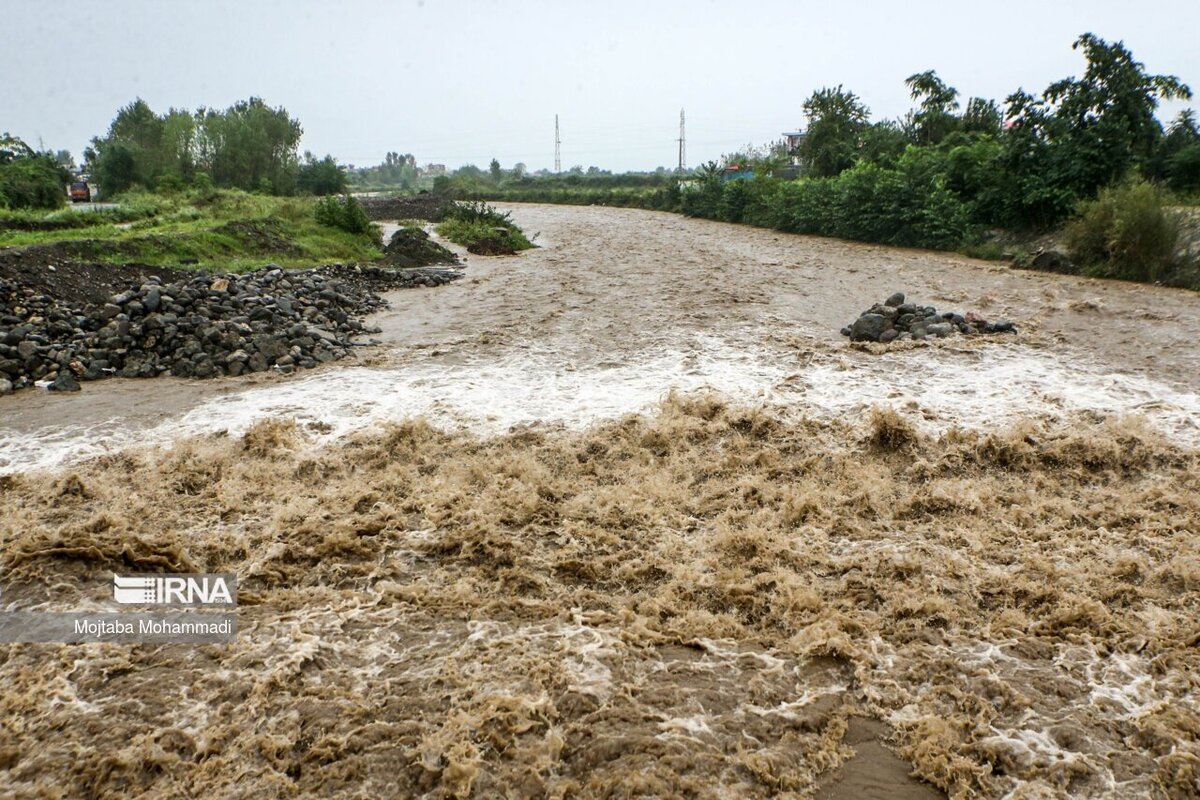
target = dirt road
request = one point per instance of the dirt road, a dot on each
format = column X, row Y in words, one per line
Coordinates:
column 976, row 561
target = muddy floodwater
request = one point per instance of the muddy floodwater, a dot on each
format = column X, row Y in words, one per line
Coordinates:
column 624, row 516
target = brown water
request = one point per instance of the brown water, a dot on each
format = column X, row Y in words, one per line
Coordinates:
column 774, row 591
column 619, row 306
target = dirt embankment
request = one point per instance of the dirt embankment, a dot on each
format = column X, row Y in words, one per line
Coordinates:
column 429, row 207
column 55, row 270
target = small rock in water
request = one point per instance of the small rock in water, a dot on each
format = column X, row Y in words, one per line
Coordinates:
column 940, row 329
column 64, row 382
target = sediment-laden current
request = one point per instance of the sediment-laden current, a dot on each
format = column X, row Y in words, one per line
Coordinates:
column 501, row 557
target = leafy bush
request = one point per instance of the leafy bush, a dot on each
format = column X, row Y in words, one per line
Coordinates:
column 482, row 229
column 343, row 212
column 1183, row 169
column 735, row 196
column 204, row 188
column 1127, row 232
column 808, row 206
column 33, row 182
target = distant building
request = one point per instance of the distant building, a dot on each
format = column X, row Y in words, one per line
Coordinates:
column 793, row 141
column 737, row 172
column 433, row 170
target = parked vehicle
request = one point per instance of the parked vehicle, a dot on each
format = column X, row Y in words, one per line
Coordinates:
column 80, row 192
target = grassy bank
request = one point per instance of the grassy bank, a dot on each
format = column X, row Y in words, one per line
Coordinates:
column 227, row 230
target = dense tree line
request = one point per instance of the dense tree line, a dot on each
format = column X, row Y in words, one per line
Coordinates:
column 943, row 175
column 249, row 146
column 1027, row 165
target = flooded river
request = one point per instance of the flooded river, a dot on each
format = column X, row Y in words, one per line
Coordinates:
column 625, row 516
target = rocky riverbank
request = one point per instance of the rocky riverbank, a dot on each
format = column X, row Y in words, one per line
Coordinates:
column 895, row 320
column 197, row 325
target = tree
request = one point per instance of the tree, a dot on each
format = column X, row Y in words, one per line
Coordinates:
column 322, row 177
column 883, row 143
column 1177, row 159
column 130, row 154
column 494, row 169
column 12, row 148
column 114, row 167
column 1105, row 120
column 837, row 120
column 177, row 144
column 982, row 116
column 249, row 146
column 1083, row 133
column 934, row 120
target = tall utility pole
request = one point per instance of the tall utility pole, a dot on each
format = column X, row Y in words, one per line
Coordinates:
column 557, row 148
column 682, row 144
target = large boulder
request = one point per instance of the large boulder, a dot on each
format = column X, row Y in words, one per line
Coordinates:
column 868, row 328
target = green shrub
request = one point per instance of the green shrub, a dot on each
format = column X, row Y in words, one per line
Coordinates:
column 1183, row 169
column 808, row 206
column 33, row 182
column 1127, row 232
column 343, row 212
column 735, row 196
column 482, row 229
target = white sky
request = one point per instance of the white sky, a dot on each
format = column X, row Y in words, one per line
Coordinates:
column 461, row 82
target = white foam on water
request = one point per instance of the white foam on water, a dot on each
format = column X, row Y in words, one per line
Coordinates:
column 533, row 385
column 992, row 386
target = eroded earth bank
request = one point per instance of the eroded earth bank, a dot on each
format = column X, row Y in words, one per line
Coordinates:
column 625, row 516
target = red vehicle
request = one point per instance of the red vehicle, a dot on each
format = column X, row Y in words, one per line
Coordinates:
column 80, row 192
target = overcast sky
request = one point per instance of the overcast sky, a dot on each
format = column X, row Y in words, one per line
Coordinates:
column 454, row 81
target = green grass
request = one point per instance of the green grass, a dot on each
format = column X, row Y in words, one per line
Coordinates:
column 220, row 231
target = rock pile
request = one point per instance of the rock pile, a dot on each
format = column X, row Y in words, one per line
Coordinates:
column 200, row 325
column 412, row 247
column 896, row 320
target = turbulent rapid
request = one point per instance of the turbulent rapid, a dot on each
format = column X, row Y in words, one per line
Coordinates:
column 624, row 516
